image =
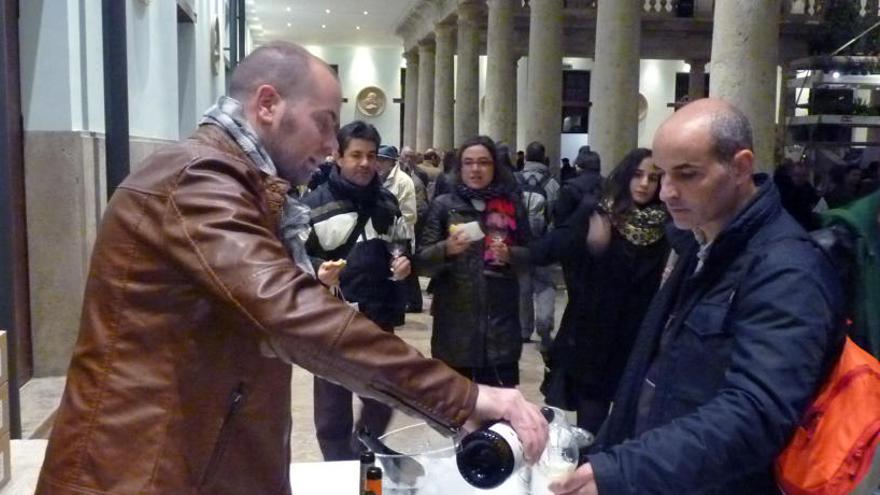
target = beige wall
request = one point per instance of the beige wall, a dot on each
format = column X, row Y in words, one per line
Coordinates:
column 65, row 191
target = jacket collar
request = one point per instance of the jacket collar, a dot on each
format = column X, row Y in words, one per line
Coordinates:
column 535, row 166
column 362, row 195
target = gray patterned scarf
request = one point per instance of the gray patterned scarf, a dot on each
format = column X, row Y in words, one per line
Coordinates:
column 293, row 227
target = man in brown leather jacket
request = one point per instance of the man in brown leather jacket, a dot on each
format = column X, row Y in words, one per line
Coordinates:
column 179, row 382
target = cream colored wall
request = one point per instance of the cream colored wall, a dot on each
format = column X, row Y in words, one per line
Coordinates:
column 361, row 66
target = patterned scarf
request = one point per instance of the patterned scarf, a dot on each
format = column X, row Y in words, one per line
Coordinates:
column 640, row 226
column 293, row 226
column 493, row 190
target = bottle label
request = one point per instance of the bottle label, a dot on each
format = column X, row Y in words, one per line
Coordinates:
column 506, row 432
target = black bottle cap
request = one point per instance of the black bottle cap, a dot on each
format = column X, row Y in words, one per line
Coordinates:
column 374, row 473
column 367, row 457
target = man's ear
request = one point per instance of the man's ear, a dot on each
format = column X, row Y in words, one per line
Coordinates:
column 743, row 165
column 267, row 101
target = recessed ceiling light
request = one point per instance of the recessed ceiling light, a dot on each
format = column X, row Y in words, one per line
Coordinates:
column 365, row 12
column 323, row 26
column 327, row 11
column 288, row 9
column 289, row 25
column 255, row 19
column 358, row 28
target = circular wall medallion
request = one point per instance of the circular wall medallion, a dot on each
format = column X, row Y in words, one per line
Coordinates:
column 643, row 107
column 371, row 101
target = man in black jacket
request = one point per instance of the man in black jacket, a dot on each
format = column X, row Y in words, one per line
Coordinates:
column 350, row 214
column 738, row 340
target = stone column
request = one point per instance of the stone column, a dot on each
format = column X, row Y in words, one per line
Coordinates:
column 748, row 48
column 697, row 80
column 425, row 126
column 703, row 8
column 545, row 77
column 444, row 86
column 614, row 85
column 467, row 78
column 411, row 98
column 501, row 73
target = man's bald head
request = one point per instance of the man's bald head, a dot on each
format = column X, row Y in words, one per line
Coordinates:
column 287, row 67
column 728, row 127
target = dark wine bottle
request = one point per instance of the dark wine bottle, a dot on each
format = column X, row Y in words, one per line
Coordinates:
column 488, row 456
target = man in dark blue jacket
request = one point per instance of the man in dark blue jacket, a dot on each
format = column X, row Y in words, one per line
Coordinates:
column 738, row 340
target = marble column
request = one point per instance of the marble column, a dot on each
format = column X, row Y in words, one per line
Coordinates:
column 467, row 77
column 697, row 80
column 425, row 126
column 748, row 48
column 501, row 73
column 614, row 83
column 411, row 98
column 444, row 86
column 545, row 77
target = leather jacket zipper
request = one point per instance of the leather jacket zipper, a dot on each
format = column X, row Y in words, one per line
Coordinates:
column 223, row 437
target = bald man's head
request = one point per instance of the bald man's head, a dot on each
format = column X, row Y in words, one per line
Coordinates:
column 291, row 99
column 728, row 127
column 287, row 67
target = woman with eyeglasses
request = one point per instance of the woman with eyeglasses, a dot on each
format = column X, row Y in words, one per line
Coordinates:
column 472, row 245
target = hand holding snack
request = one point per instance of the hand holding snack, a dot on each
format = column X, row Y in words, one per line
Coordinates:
column 328, row 272
column 457, row 242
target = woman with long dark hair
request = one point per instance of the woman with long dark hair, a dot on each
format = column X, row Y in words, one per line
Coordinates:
column 623, row 261
column 476, row 319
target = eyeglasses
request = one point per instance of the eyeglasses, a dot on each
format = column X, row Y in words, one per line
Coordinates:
column 484, row 163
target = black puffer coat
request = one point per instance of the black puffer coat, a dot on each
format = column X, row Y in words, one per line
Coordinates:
column 476, row 314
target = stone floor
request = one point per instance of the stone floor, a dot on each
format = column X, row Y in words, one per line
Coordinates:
column 40, row 397
column 417, row 332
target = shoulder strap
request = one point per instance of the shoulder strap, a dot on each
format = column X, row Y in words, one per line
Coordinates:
column 358, row 230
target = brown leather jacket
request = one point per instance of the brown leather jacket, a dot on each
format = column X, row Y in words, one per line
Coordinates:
column 167, row 391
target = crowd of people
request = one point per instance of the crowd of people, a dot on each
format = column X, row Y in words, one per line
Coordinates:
column 272, row 237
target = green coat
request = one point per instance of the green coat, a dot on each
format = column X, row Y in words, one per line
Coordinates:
column 862, row 219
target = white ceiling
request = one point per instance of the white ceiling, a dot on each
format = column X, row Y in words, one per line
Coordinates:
column 307, row 22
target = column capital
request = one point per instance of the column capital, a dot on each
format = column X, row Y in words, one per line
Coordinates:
column 469, row 11
column 444, row 32
column 697, row 63
column 494, row 4
column 411, row 56
column 426, row 45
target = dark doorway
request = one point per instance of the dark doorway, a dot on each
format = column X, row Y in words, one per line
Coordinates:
column 402, row 106
column 14, row 300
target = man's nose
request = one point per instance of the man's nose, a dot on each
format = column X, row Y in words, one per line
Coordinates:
column 667, row 190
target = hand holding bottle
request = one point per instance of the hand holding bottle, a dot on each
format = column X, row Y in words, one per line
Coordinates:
column 510, row 405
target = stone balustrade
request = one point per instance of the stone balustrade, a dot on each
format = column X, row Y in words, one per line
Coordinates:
column 792, row 10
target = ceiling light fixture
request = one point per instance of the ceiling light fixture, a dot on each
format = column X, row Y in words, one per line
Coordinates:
column 365, row 12
column 288, row 9
column 327, row 11
column 289, row 25
column 323, row 26
column 358, row 28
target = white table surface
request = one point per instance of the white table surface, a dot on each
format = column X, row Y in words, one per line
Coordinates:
column 307, row 478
